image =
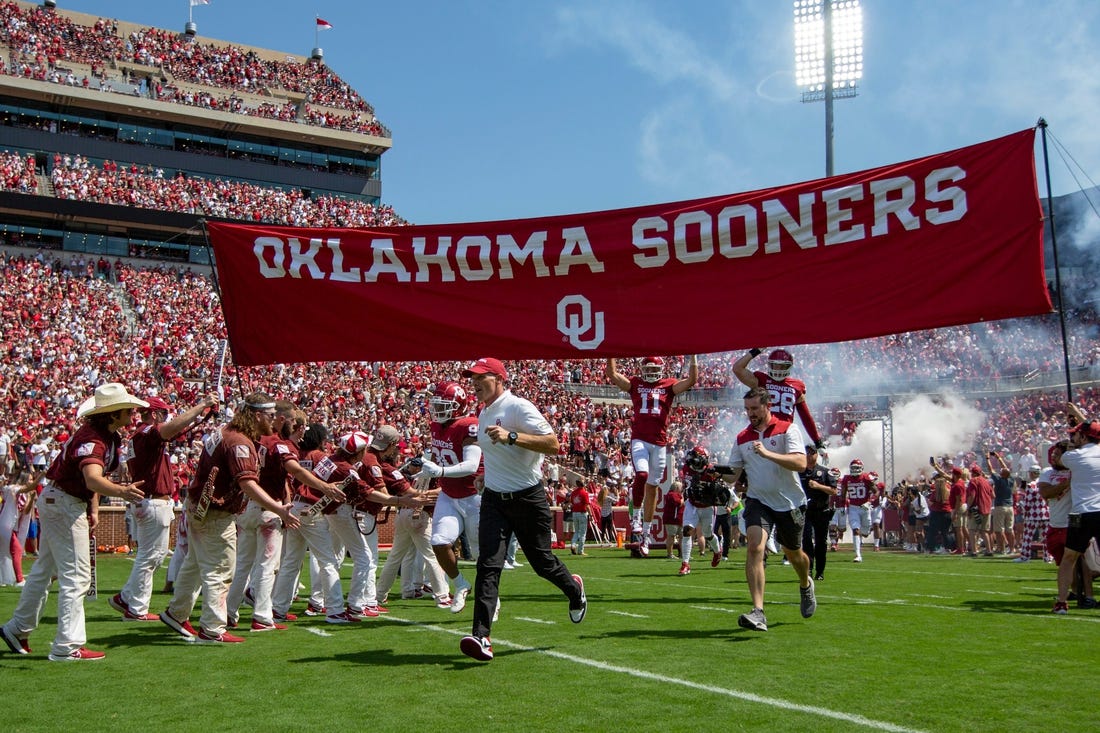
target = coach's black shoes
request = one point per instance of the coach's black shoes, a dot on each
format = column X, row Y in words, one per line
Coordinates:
column 577, row 612
column 477, row 647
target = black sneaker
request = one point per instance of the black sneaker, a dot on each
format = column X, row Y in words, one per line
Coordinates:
column 1087, row 603
column 477, row 647
column 576, row 615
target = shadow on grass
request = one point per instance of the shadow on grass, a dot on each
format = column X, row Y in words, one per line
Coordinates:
column 1025, row 608
column 385, row 658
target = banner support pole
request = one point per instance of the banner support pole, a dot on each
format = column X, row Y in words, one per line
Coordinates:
column 1057, row 270
column 221, row 302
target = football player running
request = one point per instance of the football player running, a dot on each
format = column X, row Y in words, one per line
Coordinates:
column 858, row 490
column 651, row 395
column 456, row 461
column 788, row 395
column 705, row 490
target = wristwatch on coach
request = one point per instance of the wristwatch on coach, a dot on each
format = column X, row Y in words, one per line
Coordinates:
column 512, row 437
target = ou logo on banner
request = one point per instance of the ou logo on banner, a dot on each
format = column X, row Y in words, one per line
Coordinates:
column 575, row 319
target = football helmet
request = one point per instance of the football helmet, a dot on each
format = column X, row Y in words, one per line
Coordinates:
column 697, row 459
column 448, row 400
column 855, row 468
column 780, row 362
column 653, row 368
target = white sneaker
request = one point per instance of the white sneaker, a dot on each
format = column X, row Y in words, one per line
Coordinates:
column 643, row 546
column 857, row 558
column 458, row 600
column 509, row 565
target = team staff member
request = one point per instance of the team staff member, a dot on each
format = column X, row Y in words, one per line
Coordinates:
column 68, row 511
column 819, row 486
column 514, row 436
column 1083, row 463
column 153, row 515
column 234, row 451
column 771, row 452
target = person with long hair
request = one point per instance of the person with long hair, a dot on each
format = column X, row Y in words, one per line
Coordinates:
column 68, row 513
column 259, row 531
column 227, row 475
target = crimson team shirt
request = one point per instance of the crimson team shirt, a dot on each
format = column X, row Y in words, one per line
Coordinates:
column 858, row 491
column 308, row 462
column 652, row 403
column 447, row 441
column 150, row 461
column 788, row 398
column 237, row 458
column 334, row 470
column 88, row 446
column 278, row 451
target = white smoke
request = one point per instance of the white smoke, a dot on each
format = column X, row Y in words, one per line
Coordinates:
column 923, row 426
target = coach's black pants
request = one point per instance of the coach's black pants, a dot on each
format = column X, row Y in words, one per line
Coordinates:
column 526, row 513
column 815, row 538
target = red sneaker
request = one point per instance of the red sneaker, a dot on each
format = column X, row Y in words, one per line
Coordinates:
column 183, row 628
column 80, row 655
column 288, row 616
column 225, row 637
column 261, row 626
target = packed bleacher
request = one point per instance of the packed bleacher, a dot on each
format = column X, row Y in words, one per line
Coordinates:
column 75, row 177
column 160, row 331
column 43, row 44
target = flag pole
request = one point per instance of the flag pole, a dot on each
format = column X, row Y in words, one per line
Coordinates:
column 1057, row 270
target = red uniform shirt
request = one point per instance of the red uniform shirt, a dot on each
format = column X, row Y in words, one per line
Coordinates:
column 237, row 459
column 447, row 441
column 150, row 462
column 335, row 469
column 309, row 461
column 88, row 446
column 652, row 403
column 278, row 451
column 858, row 491
column 787, row 398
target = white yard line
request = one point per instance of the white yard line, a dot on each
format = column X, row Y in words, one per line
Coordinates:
column 773, row 702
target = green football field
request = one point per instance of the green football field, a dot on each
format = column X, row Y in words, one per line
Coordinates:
column 900, row 642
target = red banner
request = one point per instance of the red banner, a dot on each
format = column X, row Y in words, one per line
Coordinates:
column 944, row 240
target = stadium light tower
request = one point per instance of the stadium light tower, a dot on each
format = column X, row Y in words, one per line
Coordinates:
column 828, row 51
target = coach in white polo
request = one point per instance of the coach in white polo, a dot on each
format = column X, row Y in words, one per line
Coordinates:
column 513, row 436
column 771, row 451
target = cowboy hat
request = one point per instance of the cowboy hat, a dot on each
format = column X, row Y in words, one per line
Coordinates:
column 108, row 398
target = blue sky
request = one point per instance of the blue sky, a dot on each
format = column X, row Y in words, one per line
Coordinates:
column 509, row 109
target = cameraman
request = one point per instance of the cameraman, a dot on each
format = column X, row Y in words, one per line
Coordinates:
column 819, row 486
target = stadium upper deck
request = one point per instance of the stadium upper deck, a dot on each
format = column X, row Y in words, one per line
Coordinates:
column 108, row 91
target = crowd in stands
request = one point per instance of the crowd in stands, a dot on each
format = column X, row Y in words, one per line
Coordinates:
column 69, row 323
column 75, row 177
column 17, row 173
column 42, row 42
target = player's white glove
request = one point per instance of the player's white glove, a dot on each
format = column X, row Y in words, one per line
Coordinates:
column 422, row 482
column 431, row 470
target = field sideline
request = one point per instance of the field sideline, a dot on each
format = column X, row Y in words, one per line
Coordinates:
column 900, row 642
